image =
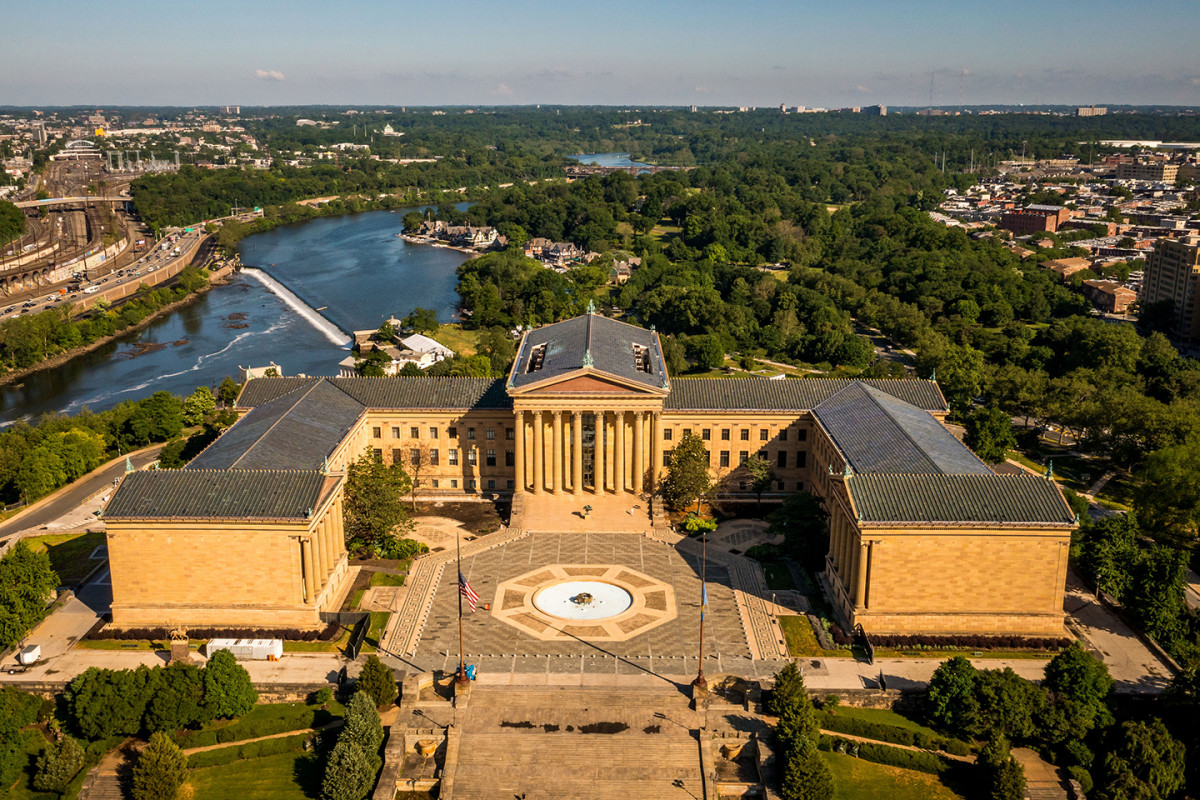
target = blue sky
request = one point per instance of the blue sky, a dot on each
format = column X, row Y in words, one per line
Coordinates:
column 617, row 52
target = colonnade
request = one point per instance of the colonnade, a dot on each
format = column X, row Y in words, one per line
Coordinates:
column 322, row 550
column 622, row 451
column 850, row 555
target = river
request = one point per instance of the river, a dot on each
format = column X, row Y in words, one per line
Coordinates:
column 354, row 268
column 608, row 160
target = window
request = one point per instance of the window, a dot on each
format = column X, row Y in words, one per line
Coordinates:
column 781, row 460
column 742, row 485
column 743, row 457
column 801, row 459
column 376, row 433
column 414, row 456
column 396, row 432
column 472, row 457
column 744, row 434
column 512, row 484
column 433, row 433
column 725, row 434
column 434, row 483
column 433, row 458
column 510, row 458
column 379, row 453
column 801, row 435
column 762, row 454
column 779, row 485
column 799, row 486
column 491, row 484
column 397, row 455
column 783, row 435
column 491, row 433
column 536, row 357
column 687, row 432
column 490, row 456
column 414, row 432
column 706, row 434
column 470, row 433
column 764, row 435
column 667, row 434
column 454, row 483
column 452, row 432
column 724, row 458
column 452, row 458
column 509, row 434
column 470, row 484
column 666, row 456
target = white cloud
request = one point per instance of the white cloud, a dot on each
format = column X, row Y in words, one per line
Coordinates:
column 861, row 88
column 503, row 90
column 268, row 75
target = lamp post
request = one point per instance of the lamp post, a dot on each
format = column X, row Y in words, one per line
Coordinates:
column 700, row 682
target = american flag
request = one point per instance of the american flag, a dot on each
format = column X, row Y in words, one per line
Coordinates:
column 466, row 591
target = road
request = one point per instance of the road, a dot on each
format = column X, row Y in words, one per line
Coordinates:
column 75, row 494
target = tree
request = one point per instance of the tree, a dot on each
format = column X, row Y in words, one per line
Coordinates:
column 421, row 320
column 802, row 519
column 160, row 770
column 227, row 392
column 950, row 703
column 104, row 702
column 198, row 405
column 228, row 691
column 761, row 476
column 687, row 473
column 58, row 764
column 378, row 681
column 960, row 376
column 420, row 458
column 1144, row 762
column 990, row 434
column 374, row 500
column 178, row 701
column 1005, row 778
column 363, row 725
column 26, row 581
column 807, row 777
column 707, row 351
column 1168, row 502
column 349, row 773
column 788, row 692
column 498, row 346
column 387, row 331
column 1080, row 686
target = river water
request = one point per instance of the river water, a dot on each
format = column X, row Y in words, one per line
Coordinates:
column 608, row 160
column 354, row 268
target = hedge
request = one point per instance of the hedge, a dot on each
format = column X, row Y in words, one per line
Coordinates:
column 968, row 642
column 328, row 633
column 892, row 734
column 917, row 760
column 266, row 747
column 254, row 728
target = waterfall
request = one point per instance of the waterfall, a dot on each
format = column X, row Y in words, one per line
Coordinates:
column 331, row 331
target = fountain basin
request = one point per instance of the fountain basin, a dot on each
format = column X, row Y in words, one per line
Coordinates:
column 583, row 599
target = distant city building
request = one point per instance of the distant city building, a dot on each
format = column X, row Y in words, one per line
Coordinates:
column 1109, row 296
column 1159, row 171
column 1066, row 267
column 1091, row 111
column 234, row 110
column 1172, row 274
column 875, row 111
column 1034, row 219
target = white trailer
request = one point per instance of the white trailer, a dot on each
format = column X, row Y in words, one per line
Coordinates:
column 247, row 649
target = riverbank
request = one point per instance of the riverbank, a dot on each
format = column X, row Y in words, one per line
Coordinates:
column 432, row 242
column 217, row 278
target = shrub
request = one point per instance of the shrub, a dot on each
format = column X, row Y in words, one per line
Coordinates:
column 228, row 691
column 21, row 708
column 378, row 681
column 328, row 633
column 267, row 747
column 349, row 773
column 1083, row 776
column 321, row 697
column 160, row 770
column 58, row 764
column 957, row 747
column 892, row 756
column 967, row 642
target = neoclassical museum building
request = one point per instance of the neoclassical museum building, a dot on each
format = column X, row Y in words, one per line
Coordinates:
column 924, row 537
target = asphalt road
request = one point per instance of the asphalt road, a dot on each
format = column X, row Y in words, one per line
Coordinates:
column 74, row 496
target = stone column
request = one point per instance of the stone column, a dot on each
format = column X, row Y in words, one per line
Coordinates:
column 656, row 449
column 310, row 588
column 577, row 453
column 860, row 589
column 519, row 443
column 556, row 450
column 331, row 557
column 599, row 462
column 639, row 450
column 539, row 452
column 619, row 477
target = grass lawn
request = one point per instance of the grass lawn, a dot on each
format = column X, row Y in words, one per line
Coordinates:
column 884, row 717
column 35, row 743
column 386, row 579
column 802, row 642
column 452, row 335
column 379, row 621
column 778, row 575
column 1021, row 458
column 69, row 553
column 265, row 719
column 287, row 776
column 856, row 779
column 131, row 644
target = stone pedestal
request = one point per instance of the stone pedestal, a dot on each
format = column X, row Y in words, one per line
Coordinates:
column 180, row 651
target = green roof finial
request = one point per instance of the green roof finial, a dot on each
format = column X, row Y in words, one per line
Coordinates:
column 588, row 361
column 128, row 465
column 1050, row 470
column 325, row 466
column 848, row 470
column 933, row 375
column 591, row 306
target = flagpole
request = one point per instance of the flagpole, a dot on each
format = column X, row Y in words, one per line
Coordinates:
column 700, row 683
column 462, row 668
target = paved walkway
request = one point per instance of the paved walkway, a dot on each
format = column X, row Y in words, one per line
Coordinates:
column 853, row 738
column 1042, row 781
column 327, row 727
column 565, row 513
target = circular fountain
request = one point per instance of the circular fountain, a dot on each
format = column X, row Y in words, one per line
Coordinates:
column 588, row 600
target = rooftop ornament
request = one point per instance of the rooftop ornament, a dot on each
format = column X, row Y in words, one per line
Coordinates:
column 588, row 361
column 591, row 307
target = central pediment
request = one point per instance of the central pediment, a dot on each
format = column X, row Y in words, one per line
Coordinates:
column 589, row 354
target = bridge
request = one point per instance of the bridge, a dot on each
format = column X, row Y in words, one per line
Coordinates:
column 60, row 201
column 583, row 170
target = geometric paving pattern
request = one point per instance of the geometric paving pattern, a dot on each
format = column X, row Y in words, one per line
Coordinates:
column 653, row 603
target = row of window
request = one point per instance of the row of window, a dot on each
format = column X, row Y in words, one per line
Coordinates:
column 764, row 434
column 781, row 458
column 434, row 457
column 414, row 432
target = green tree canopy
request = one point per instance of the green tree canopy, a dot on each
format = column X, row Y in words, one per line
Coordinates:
column 1143, row 762
column 990, row 434
column 687, row 473
column 421, row 320
column 374, row 510
column 26, row 581
column 377, row 681
column 228, row 691
column 160, row 770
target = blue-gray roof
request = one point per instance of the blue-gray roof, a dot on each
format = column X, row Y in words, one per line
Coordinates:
column 970, row 499
column 876, row 432
column 298, row 430
column 604, row 344
column 400, row 392
column 219, row 494
column 761, row 394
